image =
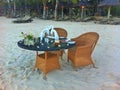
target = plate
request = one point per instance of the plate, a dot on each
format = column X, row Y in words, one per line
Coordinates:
column 71, row 42
column 61, row 37
column 68, row 40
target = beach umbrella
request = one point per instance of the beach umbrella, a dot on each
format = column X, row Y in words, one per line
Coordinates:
column 109, row 4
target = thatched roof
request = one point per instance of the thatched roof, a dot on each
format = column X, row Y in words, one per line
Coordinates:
column 109, row 3
column 82, row 3
column 65, row 4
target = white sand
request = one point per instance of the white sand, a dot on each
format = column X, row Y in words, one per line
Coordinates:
column 16, row 64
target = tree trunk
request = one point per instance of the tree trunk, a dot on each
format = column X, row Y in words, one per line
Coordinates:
column 56, row 6
column 47, row 12
column 70, row 13
column 38, row 9
column 108, row 16
column 25, row 6
column 44, row 11
column 82, row 13
column 14, row 7
column 62, row 12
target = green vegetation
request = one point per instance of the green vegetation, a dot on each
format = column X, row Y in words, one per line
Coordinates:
column 51, row 8
column 115, row 11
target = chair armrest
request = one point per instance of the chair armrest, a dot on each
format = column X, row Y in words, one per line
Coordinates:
column 83, row 46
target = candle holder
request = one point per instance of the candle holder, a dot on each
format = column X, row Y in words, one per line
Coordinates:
column 56, row 43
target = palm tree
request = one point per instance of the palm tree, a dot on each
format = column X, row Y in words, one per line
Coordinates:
column 9, row 7
column 38, row 3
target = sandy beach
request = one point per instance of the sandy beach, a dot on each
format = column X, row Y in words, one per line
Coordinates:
column 16, row 64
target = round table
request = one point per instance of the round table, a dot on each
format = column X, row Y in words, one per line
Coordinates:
column 46, row 60
column 43, row 46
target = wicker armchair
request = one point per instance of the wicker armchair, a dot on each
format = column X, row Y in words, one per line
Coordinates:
column 61, row 33
column 47, row 62
column 80, row 55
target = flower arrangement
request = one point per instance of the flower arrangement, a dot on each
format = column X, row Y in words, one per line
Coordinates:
column 28, row 38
